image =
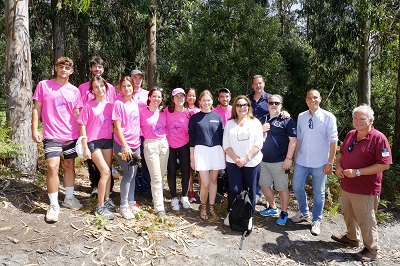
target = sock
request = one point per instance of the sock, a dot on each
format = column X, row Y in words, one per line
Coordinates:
column 53, row 197
column 69, row 194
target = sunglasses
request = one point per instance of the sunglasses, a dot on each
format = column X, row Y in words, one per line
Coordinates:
column 242, row 105
column 274, row 103
column 310, row 123
column 351, row 146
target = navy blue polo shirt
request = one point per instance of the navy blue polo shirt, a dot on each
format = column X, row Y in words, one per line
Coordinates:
column 276, row 144
column 260, row 108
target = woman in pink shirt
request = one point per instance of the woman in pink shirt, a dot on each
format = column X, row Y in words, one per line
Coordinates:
column 178, row 139
column 95, row 126
column 193, row 108
column 156, row 150
column 126, row 144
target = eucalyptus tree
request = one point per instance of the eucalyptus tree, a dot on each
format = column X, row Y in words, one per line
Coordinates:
column 19, row 84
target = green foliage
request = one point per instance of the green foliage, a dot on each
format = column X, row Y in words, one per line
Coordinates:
column 100, row 222
column 391, row 186
column 7, row 147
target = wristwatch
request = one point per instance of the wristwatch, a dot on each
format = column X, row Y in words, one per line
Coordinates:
column 358, row 173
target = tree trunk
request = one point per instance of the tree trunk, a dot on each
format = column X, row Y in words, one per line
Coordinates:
column 58, row 30
column 151, row 48
column 83, row 38
column 364, row 65
column 396, row 139
column 19, row 85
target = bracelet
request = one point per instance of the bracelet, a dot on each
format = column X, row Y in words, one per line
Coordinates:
column 288, row 158
column 247, row 157
column 329, row 163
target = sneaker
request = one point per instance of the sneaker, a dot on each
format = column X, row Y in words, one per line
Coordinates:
column 345, row 240
column 185, row 202
column 134, row 207
column 52, row 213
column 282, row 220
column 365, row 255
column 315, row 228
column 300, row 217
column 270, row 212
column 105, row 211
column 109, row 204
column 226, row 220
column 94, row 191
column 126, row 212
column 175, row 204
column 72, row 203
column 192, row 196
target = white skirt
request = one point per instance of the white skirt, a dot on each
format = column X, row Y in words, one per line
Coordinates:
column 209, row 158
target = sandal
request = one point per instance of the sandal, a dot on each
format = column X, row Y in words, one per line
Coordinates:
column 203, row 212
column 212, row 211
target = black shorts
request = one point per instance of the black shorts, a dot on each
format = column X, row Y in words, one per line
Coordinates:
column 54, row 148
column 100, row 144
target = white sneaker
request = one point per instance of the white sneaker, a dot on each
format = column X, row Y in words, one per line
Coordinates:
column 185, row 202
column 175, row 204
column 226, row 220
column 300, row 217
column 52, row 213
column 126, row 212
column 258, row 199
column 134, row 207
column 72, row 203
column 315, row 228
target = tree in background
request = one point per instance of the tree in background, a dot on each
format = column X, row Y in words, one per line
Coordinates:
column 19, row 85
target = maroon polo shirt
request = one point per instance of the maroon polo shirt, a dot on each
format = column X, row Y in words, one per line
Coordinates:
column 373, row 148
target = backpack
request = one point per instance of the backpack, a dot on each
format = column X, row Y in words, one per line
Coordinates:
column 241, row 215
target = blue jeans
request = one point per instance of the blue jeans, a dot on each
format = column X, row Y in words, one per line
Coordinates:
column 300, row 175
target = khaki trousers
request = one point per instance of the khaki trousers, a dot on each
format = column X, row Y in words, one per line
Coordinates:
column 359, row 215
column 156, row 152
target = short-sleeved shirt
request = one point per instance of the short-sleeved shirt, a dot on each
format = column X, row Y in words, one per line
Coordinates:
column 141, row 97
column 58, row 105
column 205, row 129
column 177, row 128
column 225, row 114
column 153, row 124
column 373, row 148
column 242, row 138
column 87, row 95
column 313, row 150
column 128, row 113
column 277, row 141
column 260, row 108
column 97, row 117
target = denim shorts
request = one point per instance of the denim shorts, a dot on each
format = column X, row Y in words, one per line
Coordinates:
column 100, row 144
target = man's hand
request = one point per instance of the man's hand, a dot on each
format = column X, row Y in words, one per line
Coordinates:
column 36, row 136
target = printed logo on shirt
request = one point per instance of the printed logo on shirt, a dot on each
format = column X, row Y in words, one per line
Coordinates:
column 214, row 121
column 176, row 127
column 59, row 103
column 106, row 122
column 159, row 129
column 385, row 152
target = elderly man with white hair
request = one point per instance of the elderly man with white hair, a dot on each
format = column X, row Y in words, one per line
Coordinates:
column 363, row 156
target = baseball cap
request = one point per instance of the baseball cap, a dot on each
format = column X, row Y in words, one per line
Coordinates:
column 178, row 90
column 137, row 72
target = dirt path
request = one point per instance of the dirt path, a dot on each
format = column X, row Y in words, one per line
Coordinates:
column 26, row 239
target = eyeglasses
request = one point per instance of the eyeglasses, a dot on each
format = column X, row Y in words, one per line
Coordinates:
column 310, row 123
column 242, row 105
column 274, row 103
column 351, row 146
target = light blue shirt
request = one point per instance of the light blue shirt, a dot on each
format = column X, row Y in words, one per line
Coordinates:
column 314, row 143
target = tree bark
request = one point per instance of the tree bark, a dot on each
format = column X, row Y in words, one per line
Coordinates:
column 19, row 85
column 58, row 30
column 364, row 64
column 396, row 139
column 83, row 41
column 151, row 48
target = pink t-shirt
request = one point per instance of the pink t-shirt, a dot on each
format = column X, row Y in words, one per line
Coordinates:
column 225, row 114
column 87, row 95
column 177, row 128
column 97, row 117
column 58, row 105
column 141, row 97
column 153, row 124
column 128, row 114
column 194, row 110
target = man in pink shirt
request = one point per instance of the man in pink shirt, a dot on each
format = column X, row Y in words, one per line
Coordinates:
column 58, row 102
column 224, row 109
column 97, row 69
column 140, row 96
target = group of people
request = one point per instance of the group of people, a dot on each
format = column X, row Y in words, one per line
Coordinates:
column 253, row 140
